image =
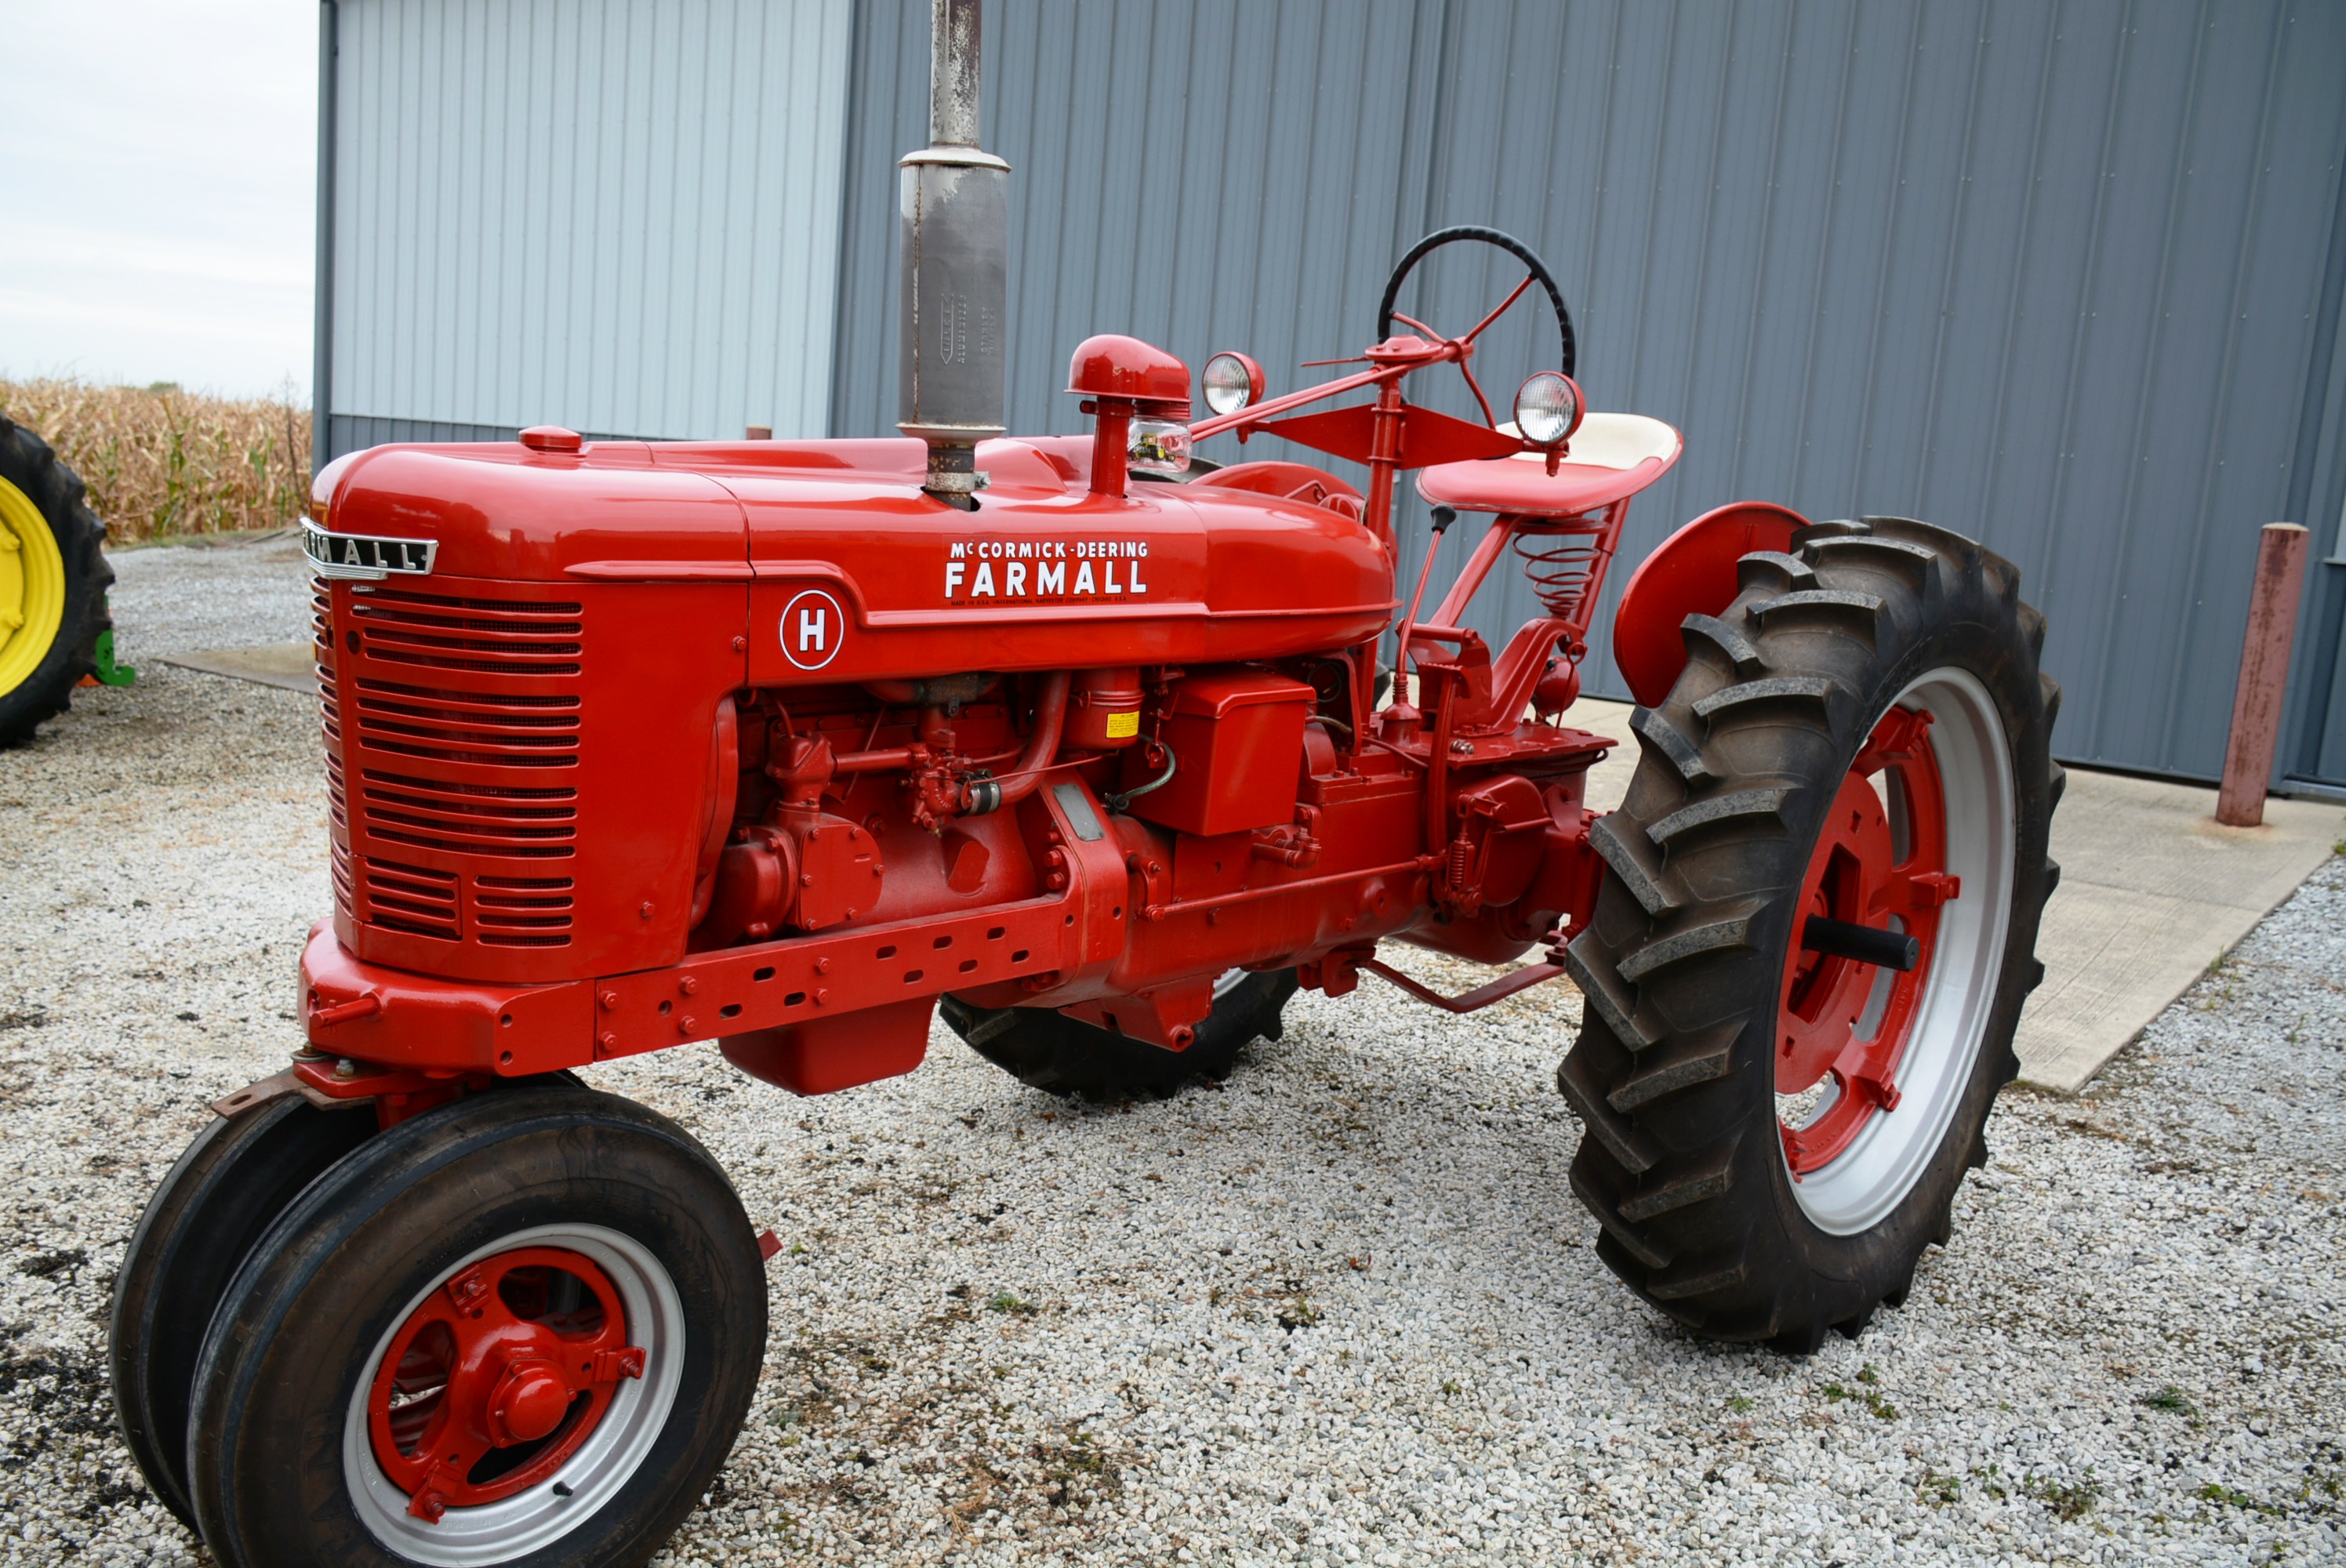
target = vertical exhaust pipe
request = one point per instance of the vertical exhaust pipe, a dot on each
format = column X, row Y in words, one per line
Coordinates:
column 954, row 236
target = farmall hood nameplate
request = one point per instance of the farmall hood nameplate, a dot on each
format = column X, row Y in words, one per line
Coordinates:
column 367, row 558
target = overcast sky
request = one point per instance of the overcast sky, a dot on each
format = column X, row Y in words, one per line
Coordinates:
column 158, row 188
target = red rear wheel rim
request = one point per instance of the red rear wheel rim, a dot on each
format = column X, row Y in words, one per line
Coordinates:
column 497, row 1377
column 1880, row 860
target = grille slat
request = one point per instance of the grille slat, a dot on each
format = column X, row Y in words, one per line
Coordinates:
column 444, row 756
column 417, row 900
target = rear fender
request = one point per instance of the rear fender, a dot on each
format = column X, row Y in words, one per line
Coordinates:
column 1692, row 573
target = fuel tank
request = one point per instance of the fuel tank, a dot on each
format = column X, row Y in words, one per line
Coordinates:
column 852, row 573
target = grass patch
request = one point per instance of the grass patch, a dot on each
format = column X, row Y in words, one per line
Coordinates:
column 1004, row 1301
column 2069, row 1500
column 2230, row 1497
column 1938, row 1489
column 1865, row 1394
column 2170, row 1399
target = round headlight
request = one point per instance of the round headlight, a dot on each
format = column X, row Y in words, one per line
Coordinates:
column 1231, row 382
column 1547, row 409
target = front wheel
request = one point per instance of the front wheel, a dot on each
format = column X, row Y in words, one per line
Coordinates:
column 519, row 1328
column 234, row 1179
column 1806, row 966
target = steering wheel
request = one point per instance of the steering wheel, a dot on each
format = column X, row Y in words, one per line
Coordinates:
column 1534, row 271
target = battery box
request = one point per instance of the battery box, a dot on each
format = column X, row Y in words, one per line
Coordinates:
column 1237, row 739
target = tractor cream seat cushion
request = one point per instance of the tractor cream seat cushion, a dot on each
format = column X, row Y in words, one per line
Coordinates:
column 1613, row 441
column 1609, row 457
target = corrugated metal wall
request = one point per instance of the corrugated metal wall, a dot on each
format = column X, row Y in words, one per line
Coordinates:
column 1204, row 176
column 620, row 215
column 2047, row 273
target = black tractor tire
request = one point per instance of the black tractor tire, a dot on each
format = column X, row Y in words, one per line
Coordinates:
column 32, row 477
column 226, row 1188
column 273, row 1470
column 1048, row 1050
column 1673, row 1075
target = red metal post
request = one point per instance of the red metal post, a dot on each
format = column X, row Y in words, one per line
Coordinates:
column 2264, row 675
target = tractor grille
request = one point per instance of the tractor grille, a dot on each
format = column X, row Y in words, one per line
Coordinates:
column 452, row 750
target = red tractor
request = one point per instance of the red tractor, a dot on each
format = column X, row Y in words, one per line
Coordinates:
column 1090, row 745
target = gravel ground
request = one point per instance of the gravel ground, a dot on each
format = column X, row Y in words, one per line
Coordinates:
column 1343, row 1308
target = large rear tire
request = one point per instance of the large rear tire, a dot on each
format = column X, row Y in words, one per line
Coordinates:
column 519, row 1328
column 1048, row 1050
column 1775, row 1132
column 53, row 583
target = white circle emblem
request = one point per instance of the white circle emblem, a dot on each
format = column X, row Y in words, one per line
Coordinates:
column 813, row 626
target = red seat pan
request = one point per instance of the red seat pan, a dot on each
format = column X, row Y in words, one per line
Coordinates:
column 1610, row 456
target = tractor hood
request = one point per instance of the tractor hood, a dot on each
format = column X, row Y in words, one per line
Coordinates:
column 1237, row 564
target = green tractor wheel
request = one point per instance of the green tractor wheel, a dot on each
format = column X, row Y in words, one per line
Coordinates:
column 54, row 627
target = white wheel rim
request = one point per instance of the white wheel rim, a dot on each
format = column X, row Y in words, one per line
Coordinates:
column 1861, row 1188
column 515, row 1526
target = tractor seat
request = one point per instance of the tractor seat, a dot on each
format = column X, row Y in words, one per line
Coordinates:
column 1610, row 456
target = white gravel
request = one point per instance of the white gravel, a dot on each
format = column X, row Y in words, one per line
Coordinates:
column 1342, row 1310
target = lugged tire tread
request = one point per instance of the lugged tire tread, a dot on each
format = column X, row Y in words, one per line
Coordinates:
column 1595, row 983
column 1692, row 943
column 1774, row 569
column 1620, row 850
column 1696, row 1181
column 1763, row 802
column 1731, row 644
column 1589, row 1187
column 1816, row 689
column 1661, row 736
column 1829, row 599
column 1665, row 1165
column 1633, row 1150
column 1686, row 1061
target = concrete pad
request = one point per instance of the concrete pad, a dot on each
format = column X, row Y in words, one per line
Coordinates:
column 1610, row 779
column 292, row 667
column 2152, row 890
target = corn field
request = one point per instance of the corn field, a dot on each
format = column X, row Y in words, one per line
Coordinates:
column 161, row 463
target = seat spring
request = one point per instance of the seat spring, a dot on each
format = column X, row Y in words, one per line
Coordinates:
column 1563, row 562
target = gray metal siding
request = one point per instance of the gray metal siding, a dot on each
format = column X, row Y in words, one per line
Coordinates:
column 609, row 214
column 1139, row 133
column 2046, row 273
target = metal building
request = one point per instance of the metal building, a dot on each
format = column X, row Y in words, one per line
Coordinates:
column 2063, row 274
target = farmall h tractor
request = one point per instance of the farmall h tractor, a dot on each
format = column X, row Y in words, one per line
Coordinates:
column 790, row 745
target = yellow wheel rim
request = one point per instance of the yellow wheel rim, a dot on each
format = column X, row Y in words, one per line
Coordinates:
column 32, row 588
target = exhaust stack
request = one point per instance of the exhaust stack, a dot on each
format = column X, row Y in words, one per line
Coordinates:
column 953, row 216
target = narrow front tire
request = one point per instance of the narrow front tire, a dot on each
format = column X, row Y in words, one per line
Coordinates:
column 520, row 1328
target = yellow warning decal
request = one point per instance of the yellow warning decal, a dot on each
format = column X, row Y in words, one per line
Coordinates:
column 1122, row 726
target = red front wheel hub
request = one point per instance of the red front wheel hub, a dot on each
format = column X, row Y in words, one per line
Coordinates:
column 497, row 1377
column 1880, row 863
